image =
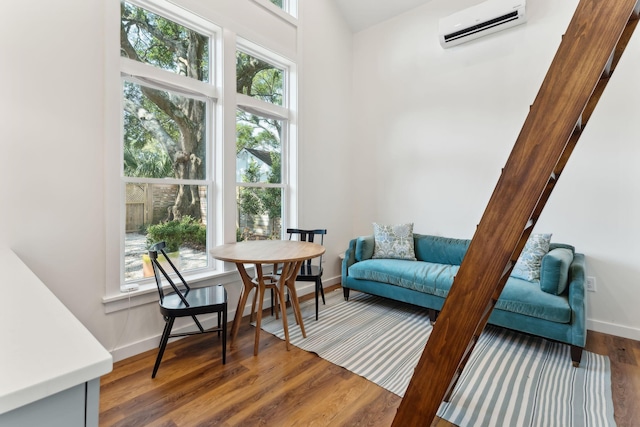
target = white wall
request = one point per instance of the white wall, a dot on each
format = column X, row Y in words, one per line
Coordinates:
column 52, row 168
column 434, row 128
column 431, row 130
column 325, row 145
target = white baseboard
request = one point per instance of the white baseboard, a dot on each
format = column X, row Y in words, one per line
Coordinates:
column 613, row 329
column 131, row 349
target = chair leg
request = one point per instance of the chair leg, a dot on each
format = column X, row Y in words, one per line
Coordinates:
column 164, row 331
column 275, row 303
column 345, row 292
column 252, row 317
column 224, row 335
column 319, row 284
column 219, row 324
column 319, row 289
column 163, row 344
column 272, row 304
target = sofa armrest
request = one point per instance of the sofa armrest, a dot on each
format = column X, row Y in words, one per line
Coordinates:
column 577, row 299
column 349, row 260
column 359, row 249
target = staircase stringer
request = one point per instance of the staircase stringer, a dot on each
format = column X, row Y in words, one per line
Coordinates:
column 539, row 155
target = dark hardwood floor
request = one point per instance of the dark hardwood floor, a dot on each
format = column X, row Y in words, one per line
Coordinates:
column 624, row 355
column 286, row 388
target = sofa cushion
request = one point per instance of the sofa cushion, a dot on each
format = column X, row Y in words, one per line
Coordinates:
column 364, row 248
column 441, row 250
column 419, row 276
column 523, row 297
column 393, row 241
column 526, row 298
column 528, row 265
column 554, row 271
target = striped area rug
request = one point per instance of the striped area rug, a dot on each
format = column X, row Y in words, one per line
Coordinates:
column 511, row 379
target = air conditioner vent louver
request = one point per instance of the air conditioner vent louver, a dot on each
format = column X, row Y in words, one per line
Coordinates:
column 482, row 26
column 477, row 21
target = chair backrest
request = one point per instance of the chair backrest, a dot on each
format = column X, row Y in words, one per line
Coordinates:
column 159, row 272
column 308, row 236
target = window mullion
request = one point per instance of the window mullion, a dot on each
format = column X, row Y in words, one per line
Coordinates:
column 167, row 181
column 153, row 76
column 262, row 108
column 260, row 185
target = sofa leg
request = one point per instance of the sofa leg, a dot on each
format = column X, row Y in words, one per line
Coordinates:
column 433, row 315
column 576, row 355
column 345, row 292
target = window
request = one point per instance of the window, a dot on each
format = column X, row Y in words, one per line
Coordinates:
column 165, row 44
column 259, row 79
column 174, row 157
column 259, row 177
column 289, row 7
column 260, row 133
column 165, row 145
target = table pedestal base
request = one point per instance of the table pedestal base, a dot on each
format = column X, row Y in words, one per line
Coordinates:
column 286, row 279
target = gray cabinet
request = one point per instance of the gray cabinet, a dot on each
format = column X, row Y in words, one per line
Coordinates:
column 74, row 407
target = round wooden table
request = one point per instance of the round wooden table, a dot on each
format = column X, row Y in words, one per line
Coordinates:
column 288, row 253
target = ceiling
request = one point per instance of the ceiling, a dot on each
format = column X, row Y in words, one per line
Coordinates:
column 361, row 14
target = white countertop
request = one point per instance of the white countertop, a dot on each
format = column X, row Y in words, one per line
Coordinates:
column 44, row 349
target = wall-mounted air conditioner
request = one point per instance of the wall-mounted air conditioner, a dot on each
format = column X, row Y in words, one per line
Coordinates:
column 480, row 20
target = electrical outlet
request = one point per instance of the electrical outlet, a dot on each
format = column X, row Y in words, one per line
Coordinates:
column 591, row 284
column 129, row 287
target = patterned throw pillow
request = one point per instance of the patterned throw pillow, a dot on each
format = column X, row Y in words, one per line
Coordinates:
column 528, row 265
column 393, row 241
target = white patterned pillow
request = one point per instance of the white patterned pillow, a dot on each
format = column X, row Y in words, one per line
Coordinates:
column 393, row 241
column 528, row 265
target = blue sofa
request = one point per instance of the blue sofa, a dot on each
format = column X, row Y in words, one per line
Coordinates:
column 552, row 308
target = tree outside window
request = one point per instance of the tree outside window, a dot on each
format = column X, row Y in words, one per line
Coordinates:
column 260, row 198
column 165, row 148
column 168, row 102
column 259, row 151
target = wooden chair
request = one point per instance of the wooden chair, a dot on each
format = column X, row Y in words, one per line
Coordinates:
column 185, row 301
column 310, row 272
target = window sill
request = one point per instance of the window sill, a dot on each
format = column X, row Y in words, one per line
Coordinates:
column 148, row 292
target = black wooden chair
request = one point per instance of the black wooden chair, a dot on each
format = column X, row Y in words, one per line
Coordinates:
column 310, row 271
column 185, row 301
